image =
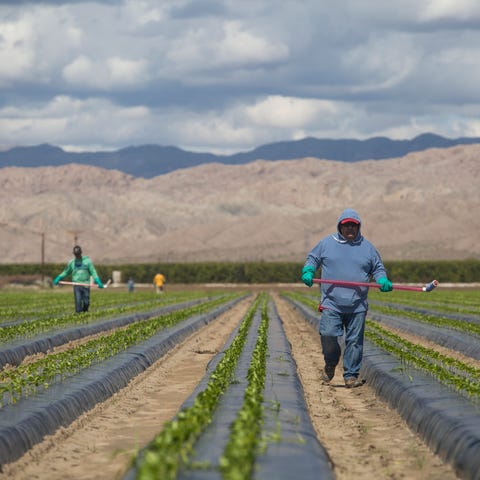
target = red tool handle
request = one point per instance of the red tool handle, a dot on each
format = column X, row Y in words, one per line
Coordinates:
column 427, row 288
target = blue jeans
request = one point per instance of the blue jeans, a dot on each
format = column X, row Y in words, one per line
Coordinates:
column 82, row 298
column 333, row 325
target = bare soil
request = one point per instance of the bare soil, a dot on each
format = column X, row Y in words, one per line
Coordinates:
column 364, row 437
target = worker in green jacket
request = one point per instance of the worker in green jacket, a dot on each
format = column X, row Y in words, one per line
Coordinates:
column 81, row 269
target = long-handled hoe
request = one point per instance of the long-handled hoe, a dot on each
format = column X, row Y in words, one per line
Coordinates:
column 427, row 288
column 61, row 282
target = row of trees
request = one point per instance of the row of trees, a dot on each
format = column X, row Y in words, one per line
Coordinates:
column 466, row 271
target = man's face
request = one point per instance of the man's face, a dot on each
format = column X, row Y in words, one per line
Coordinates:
column 349, row 230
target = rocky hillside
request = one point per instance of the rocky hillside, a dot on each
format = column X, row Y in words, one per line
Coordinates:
column 421, row 206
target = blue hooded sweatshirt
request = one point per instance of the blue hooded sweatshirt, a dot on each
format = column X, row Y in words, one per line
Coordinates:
column 353, row 261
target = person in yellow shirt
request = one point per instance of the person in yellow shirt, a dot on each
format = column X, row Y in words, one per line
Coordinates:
column 159, row 281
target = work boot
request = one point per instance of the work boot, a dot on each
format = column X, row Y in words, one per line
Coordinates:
column 353, row 382
column 328, row 373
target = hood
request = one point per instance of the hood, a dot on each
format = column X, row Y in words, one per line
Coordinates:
column 349, row 213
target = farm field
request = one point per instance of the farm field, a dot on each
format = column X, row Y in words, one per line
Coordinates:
column 144, row 357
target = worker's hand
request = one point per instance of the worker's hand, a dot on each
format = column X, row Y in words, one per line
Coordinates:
column 99, row 283
column 56, row 280
column 385, row 284
column 307, row 275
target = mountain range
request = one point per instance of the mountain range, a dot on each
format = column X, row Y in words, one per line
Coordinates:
column 421, row 206
column 149, row 161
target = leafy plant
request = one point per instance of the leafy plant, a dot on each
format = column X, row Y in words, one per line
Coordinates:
column 172, row 447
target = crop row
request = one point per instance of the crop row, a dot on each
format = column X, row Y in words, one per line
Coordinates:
column 27, row 378
column 232, row 426
column 437, row 320
column 240, row 451
column 445, row 368
column 173, row 446
column 459, row 332
column 436, row 394
column 32, row 304
column 438, row 303
column 442, row 300
column 450, row 371
column 235, row 426
column 47, row 319
column 53, row 391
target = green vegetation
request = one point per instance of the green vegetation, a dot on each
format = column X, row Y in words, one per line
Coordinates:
column 29, row 313
column 441, row 299
column 439, row 321
column 173, row 446
column 449, row 371
column 49, row 316
column 451, row 271
column 307, row 298
column 245, row 433
column 25, row 379
column 261, row 272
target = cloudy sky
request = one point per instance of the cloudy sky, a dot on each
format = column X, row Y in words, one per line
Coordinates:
column 229, row 75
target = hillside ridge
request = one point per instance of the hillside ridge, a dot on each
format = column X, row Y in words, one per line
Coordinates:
column 420, row 206
column 148, row 161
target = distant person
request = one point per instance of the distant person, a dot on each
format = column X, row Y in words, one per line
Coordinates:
column 81, row 269
column 346, row 255
column 159, row 281
column 130, row 285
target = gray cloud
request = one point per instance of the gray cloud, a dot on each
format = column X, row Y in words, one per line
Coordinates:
column 226, row 76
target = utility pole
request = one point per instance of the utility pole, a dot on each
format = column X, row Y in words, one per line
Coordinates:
column 42, row 268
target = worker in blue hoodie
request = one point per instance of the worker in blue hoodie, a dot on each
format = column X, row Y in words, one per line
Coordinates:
column 346, row 256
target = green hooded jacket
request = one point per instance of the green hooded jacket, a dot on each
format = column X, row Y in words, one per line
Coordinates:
column 80, row 270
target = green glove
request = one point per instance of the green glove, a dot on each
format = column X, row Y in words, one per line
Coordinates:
column 57, row 279
column 385, row 284
column 99, row 283
column 307, row 275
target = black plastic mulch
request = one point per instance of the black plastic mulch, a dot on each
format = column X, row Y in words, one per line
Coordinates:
column 448, row 422
column 14, row 352
column 425, row 311
column 297, row 453
column 28, row 421
column 462, row 342
column 292, row 447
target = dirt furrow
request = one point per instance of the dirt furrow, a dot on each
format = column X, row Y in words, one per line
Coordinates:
column 364, row 437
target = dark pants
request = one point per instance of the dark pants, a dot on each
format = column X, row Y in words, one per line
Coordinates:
column 82, row 298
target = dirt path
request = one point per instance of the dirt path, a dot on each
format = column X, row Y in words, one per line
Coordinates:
column 364, row 437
